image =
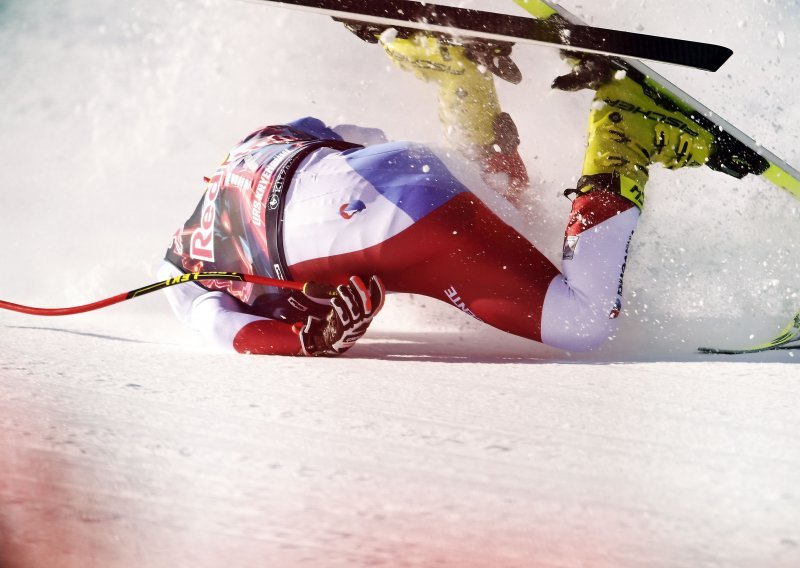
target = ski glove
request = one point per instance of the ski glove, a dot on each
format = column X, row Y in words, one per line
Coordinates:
column 588, row 72
column 354, row 307
column 496, row 57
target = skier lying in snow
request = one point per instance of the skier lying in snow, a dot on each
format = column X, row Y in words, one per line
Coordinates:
column 308, row 203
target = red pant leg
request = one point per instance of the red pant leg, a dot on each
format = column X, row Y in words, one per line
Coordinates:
column 461, row 253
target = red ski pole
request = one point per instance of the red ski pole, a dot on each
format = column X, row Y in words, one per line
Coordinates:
column 311, row 288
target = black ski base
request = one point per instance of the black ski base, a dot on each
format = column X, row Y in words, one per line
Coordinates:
column 501, row 27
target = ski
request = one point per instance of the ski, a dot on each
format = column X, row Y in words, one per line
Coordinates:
column 737, row 154
column 788, row 335
column 489, row 26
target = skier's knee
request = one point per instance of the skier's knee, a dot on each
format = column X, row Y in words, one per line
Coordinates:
column 582, row 337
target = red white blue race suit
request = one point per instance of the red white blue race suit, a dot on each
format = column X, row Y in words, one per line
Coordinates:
column 298, row 202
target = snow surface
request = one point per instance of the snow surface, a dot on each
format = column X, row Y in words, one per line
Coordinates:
column 436, row 442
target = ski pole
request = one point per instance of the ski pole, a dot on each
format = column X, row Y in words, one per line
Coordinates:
column 310, row 288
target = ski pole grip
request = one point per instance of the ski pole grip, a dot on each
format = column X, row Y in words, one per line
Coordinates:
column 319, row 291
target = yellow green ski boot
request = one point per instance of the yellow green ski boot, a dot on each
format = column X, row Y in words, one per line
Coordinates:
column 469, row 110
column 629, row 131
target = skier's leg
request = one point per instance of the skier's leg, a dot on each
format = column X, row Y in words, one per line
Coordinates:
column 473, row 121
column 454, row 248
column 582, row 304
column 628, row 132
column 465, row 255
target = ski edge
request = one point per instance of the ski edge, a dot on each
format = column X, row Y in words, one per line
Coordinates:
column 578, row 37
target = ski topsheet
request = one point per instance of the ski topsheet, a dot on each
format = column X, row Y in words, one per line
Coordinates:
column 741, row 154
column 490, row 26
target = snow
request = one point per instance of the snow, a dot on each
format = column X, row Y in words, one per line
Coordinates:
column 388, row 36
column 437, row 441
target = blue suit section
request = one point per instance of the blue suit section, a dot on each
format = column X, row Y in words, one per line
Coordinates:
column 409, row 175
column 315, row 127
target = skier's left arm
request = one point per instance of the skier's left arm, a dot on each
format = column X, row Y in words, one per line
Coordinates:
column 221, row 319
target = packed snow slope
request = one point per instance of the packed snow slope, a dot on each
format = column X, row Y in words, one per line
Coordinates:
column 437, row 441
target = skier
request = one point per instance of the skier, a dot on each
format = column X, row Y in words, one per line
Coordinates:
column 344, row 207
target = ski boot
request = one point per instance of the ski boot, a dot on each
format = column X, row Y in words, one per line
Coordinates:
column 469, row 109
column 629, row 131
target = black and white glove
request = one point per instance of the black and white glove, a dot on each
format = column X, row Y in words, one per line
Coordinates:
column 588, row 72
column 354, row 307
column 496, row 57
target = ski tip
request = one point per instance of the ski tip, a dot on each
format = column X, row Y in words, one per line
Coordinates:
column 721, row 56
column 704, row 56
